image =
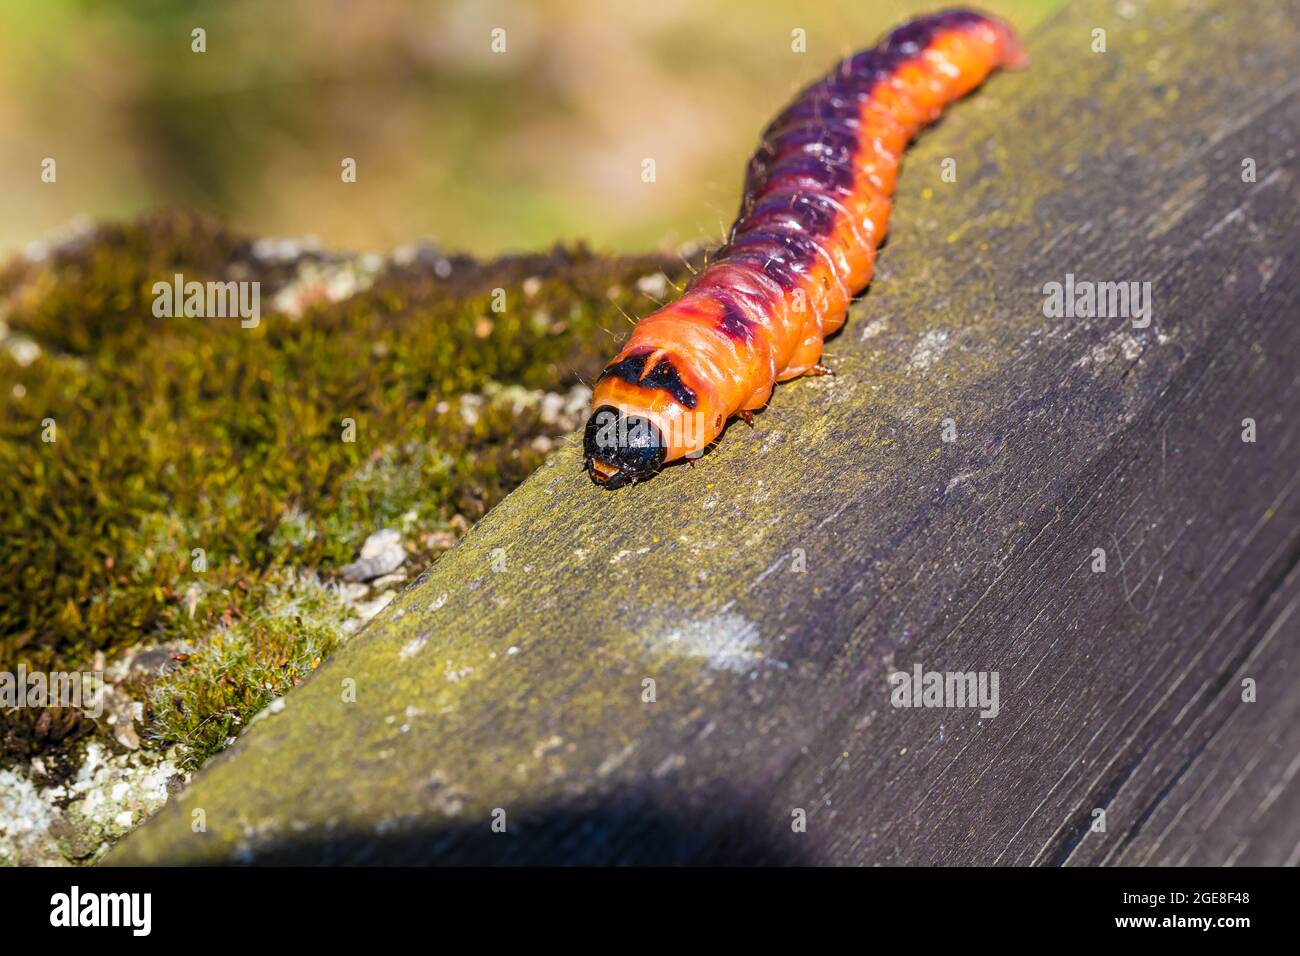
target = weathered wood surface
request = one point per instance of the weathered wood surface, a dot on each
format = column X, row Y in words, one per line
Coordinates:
column 522, row 689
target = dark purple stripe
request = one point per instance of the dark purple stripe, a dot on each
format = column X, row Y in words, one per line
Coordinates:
column 812, row 214
column 776, row 269
column 829, row 140
column 813, row 141
column 805, row 249
column 735, row 324
column 818, row 104
column 912, row 38
column 814, row 169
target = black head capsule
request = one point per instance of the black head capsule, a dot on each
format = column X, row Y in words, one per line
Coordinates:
column 621, row 449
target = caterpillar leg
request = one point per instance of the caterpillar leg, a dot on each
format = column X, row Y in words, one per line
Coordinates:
column 815, row 370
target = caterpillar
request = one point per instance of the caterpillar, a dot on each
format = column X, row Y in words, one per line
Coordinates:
column 814, row 209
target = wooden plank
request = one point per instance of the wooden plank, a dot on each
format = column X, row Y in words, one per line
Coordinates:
column 511, row 675
column 1234, row 798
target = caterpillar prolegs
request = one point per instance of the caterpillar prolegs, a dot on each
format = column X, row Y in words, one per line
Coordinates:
column 815, row 208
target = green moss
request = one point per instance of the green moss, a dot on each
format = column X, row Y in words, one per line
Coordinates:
column 189, row 433
column 207, row 697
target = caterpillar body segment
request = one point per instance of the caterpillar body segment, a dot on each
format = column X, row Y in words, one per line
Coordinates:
column 815, row 208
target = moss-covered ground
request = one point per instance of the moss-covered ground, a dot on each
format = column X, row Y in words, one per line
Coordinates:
column 192, row 486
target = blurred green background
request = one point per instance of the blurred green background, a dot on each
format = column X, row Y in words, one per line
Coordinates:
column 478, row 151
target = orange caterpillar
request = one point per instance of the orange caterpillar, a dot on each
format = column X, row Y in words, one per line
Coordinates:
column 815, row 208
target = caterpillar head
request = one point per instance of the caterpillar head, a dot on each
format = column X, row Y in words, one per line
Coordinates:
column 620, row 449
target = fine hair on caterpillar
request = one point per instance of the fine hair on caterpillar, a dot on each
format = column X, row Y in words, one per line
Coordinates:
column 814, row 210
